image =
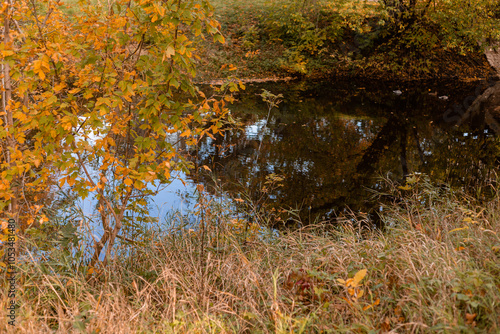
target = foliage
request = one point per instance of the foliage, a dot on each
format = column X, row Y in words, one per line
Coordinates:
column 93, row 101
column 283, row 37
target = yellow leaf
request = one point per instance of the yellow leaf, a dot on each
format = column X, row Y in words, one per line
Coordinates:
column 4, row 7
column 59, row 87
column 43, row 220
column 358, row 277
column 128, row 182
column 169, row 52
column 90, row 271
column 71, row 181
column 2, row 264
column 159, row 10
column 41, row 75
column 38, row 68
column 186, row 133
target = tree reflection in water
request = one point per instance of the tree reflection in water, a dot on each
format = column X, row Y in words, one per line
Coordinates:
column 332, row 141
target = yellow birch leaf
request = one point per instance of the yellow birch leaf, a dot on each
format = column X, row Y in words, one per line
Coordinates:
column 358, row 277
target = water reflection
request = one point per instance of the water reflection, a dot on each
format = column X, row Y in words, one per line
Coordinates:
column 330, row 142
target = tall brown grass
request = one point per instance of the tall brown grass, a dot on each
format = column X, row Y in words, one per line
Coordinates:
column 435, row 268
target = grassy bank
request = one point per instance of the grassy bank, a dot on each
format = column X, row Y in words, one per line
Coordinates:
column 435, row 268
column 319, row 38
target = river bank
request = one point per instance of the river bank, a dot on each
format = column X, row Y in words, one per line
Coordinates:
column 435, row 268
column 322, row 39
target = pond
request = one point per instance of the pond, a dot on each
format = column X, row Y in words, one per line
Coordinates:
column 330, row 142
column 323, row 150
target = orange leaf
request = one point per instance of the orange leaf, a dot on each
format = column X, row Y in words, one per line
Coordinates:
column 470, row 317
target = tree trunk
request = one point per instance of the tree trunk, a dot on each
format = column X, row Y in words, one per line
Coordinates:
column 8, row 118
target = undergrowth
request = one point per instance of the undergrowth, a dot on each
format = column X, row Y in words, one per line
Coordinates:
column 434, row 268
column 318, row 38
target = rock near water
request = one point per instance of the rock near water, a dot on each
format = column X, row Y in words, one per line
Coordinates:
column 493, row 55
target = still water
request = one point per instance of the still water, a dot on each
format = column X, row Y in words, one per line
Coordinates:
column 323, row 150
column 330, row 142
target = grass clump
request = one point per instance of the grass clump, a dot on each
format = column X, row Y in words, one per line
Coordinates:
column 434, row 268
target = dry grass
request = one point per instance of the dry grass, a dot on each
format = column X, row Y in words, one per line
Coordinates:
column 435, row 268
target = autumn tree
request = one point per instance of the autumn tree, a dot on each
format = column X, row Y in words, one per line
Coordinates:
column 91, row 100
column 459, row 20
